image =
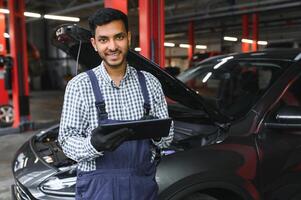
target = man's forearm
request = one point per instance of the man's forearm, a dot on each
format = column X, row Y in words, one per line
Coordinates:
column 78, row 148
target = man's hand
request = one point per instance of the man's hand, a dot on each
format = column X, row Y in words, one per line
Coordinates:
column 103, row 141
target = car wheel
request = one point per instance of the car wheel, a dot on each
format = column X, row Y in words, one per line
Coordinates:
column 6, row 115
column 199, row 196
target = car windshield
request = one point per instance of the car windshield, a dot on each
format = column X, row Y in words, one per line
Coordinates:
column 230, row 85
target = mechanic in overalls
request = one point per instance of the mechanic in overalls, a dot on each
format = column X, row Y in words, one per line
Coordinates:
column 110, row 167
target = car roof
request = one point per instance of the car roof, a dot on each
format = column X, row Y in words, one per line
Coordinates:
column 278, row 54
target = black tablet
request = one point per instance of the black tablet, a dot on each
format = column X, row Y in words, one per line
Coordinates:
column 143, row 129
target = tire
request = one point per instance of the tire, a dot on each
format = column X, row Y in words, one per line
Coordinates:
column 6, row 115
column 199, row 196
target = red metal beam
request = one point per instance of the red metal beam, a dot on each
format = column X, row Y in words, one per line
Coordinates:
column 152, row 30
column 255, row 32
column 144, row 28
column 18, row 48
column 4, row 98
column 2, row 31
column 121, row 5
column 245, row 33
column 191, row 40
column 161, row 26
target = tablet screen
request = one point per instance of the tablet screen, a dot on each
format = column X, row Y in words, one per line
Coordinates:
column 143, row 129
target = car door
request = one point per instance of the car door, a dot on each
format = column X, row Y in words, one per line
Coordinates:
column 279, row 144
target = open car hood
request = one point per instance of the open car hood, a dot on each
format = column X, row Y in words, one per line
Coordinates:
column 75, row 41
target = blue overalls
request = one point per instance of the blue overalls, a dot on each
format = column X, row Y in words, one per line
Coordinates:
column 126, row 173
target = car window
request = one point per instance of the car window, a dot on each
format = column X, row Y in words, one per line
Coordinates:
column 234, row 86
column 285, row 115
column 292, row 96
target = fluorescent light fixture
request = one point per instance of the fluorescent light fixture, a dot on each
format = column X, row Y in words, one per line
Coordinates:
column 247, row 41
column 31, row 14
column 6, row 35
column 137, row 49
column 37, row 15
column 205, row 79
column 184, row 45
column 201, row 47
column 233, row 39
column 262, row 42
column 169, row 44
column 5, row 11
column 63, row 18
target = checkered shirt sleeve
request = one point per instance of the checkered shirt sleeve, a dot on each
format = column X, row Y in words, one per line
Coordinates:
column 79, row 114
column 74, row 127
column 158, row 107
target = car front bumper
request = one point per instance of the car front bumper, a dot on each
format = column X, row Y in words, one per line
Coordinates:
column 19, row 193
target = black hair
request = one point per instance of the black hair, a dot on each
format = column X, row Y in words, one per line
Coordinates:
column 106, row 15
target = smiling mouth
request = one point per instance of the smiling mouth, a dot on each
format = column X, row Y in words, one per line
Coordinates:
column 113, row 54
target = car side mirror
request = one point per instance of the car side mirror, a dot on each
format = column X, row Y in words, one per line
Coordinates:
column 287, row 117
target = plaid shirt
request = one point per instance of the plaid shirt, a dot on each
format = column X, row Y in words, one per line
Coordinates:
column 125, row 102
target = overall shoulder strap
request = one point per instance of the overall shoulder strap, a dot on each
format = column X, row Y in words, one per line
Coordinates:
column 145, row 93
column 99, row 101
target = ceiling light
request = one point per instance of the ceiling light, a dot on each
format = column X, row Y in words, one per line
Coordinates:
column 5, row 11
column 262, row 42
column 201, row 46
column 37, row 15
column 31, row 14
column 137, row 49
column 169, row 44
column 247, row 41
column 233, row 39
column 6, row 35
column 63, row 18
column 184, row 45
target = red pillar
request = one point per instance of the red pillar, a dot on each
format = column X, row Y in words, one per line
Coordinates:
column 255, row 32
column 245, row 32
column 144, row 28
column 161, row 24
column 121, row 5
column 18, row 49
column 4, row 98
column 191, row 40
column 152, row 30
column 2, row 31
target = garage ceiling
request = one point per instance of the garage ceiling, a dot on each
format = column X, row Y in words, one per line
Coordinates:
column 213, row 18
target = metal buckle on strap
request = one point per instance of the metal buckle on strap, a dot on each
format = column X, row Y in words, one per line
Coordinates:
column 101, row 107
column 146, row 108
column 101, row 110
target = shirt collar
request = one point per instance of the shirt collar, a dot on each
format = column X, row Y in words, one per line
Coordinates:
column 106, row 77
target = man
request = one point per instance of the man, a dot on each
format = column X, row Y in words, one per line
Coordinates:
column 109, row 167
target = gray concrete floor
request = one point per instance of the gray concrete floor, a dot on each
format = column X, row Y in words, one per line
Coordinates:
column 45, row 108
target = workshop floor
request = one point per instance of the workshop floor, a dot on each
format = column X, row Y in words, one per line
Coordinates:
column 45, row 109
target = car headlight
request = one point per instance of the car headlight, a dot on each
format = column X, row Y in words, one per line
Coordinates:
column 168, row 152
column 56, row 185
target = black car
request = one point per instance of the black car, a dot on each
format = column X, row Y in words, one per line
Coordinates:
column 237, row 129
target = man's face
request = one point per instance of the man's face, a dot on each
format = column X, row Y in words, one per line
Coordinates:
column 112, row 43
